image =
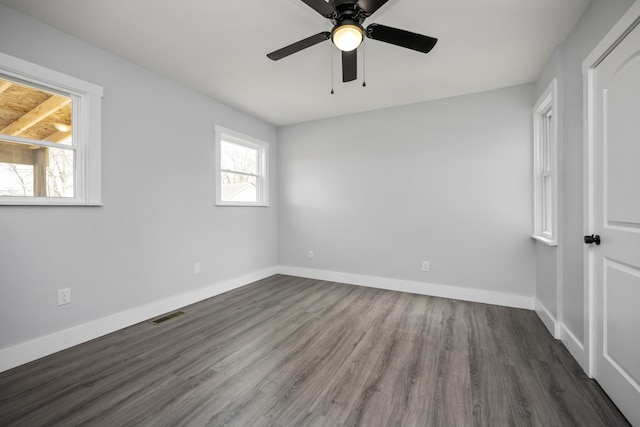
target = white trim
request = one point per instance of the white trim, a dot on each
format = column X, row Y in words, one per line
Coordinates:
column 38, row 75
column 575, row 347
column 548, row 102
column 545, row 240
column 31, row 350
column 420, row 288
column 619, row 31
column 22, row 353
column 547, row 318
column 588, row 210
column 263, row 173
column 560, row 332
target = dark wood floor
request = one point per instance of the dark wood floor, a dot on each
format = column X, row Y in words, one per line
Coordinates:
column 287, row 351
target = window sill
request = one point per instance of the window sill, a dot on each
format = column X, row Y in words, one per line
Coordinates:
column 244, row 205
column 25, row 203
column 547, row 241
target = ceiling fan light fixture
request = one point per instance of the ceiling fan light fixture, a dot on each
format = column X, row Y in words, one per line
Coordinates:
column 347, row 37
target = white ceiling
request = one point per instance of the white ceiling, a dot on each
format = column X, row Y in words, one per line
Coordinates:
column 219, row 48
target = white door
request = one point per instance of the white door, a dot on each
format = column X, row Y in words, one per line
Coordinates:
column 615, row 263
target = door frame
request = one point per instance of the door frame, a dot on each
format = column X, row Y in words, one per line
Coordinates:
column 625, row 25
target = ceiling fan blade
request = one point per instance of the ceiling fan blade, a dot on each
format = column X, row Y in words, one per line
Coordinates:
column 321, row 6
column 370, row 6
column 401, row 38
column 350, row 65
column 299, row 45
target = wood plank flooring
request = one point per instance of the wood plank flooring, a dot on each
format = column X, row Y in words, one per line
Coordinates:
column 287, row 351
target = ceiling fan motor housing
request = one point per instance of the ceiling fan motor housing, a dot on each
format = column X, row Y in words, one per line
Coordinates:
column 347, row 12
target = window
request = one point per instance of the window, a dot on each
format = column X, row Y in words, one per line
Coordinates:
column 545, row 187
column 49, row 136
column 241, row 169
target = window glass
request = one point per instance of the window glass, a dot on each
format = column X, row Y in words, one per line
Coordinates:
column 239, row 188
column 239, row 158
column 545, row 135
column 30, row 117
column 31, row 170
column 32, row 113
column 547, row 226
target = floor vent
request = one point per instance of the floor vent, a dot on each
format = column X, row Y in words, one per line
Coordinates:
column 166, row 317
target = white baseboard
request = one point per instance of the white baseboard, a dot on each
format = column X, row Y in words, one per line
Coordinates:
column 575, row 347
column 548, row 319
column 560, row 332
column 420, row 288
column 31, row 350
column 557, row 329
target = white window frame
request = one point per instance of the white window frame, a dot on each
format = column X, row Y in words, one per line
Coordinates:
column 262, row 176
column 87, row 117
column 545, row 165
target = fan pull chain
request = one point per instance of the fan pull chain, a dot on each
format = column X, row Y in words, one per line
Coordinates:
column 364, row 64
column 332, row 55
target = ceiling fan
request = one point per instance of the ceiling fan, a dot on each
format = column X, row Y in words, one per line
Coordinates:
column 347, row 17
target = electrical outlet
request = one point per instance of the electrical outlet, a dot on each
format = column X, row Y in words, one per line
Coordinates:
column 196, row 268
column 425, row 265
column 64, row 296
column 310, row 254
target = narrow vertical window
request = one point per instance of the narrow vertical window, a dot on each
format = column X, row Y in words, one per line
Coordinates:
column 545, row 164
column 241, row 169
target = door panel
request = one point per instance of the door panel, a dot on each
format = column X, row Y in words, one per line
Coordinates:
column 622, row 119
column 615, row 264
column 621, row 296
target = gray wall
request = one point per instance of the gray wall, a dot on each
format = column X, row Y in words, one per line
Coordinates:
column 597, row 20
column 447, row 181
column 548, row 279
column 158, row 192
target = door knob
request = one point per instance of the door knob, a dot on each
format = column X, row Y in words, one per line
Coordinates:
column 594, row 238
